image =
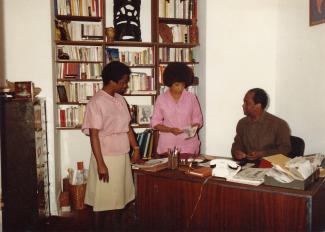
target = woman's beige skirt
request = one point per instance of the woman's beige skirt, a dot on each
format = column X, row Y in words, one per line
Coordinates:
column 118, row 191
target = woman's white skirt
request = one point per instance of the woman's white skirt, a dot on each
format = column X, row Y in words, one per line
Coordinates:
column 118, row 191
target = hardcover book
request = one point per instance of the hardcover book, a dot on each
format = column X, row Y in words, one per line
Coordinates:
column 112, row 54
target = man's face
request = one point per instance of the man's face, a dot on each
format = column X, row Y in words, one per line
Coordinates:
column 249, row 105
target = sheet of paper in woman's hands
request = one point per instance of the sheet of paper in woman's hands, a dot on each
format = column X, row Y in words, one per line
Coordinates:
column 190, row 131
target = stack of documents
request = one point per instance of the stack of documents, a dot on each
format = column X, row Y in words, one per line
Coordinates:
column 251, row 176
column 152, row 165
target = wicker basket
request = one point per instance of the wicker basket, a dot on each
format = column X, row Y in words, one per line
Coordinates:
column 77, row 196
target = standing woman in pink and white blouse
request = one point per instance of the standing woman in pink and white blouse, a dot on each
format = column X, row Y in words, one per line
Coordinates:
column 107, row 122
column 175, row 110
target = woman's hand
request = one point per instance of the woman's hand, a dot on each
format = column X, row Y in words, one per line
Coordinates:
column 176, row 131
column 103, row 172
column 136, row 155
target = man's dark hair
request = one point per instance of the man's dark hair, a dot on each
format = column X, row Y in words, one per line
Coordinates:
column 114, row 71
column 260, row 96
column 178, row 72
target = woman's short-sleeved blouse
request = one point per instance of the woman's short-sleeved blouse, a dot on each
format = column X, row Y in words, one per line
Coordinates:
column 110, row 115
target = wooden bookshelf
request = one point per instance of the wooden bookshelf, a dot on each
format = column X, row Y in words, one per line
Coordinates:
column 99, row 15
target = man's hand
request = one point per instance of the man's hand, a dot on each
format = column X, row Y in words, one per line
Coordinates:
column 255, row 155
column 239, row 155
column 103, row 172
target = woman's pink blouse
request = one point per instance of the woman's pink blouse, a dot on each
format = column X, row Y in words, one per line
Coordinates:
column 110, row 115
column 179, row 114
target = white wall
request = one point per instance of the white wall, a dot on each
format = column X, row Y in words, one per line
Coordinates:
column 241, row 54
column 28, row 57
column 268, row 44
column 300, row 75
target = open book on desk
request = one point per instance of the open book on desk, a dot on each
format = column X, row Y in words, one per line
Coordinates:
column 251, row 176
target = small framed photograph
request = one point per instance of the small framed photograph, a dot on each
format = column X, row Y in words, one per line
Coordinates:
column 62, row 93
column 24, row 90
column 144, row 113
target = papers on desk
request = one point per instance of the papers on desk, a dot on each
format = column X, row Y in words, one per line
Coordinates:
column 190, row 131
column 286, row 170
column 251, row 176
column 152, row 165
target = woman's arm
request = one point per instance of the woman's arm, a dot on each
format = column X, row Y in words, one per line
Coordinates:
column 163, row 128
column 95, row 146
column 134, row 145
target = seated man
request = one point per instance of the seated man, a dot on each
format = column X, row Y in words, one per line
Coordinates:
column 259, row 133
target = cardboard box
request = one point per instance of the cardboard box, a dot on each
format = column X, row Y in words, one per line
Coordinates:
column 296, row 184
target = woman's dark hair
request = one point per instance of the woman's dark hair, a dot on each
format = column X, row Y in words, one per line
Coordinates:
column 114, row 71
column 260, row 96
column 178, row 72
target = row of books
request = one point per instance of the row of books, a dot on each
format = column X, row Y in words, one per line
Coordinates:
column 141, row 114
column 167, row 54
column 177, row 8
column 140, row 82
column 79, row 31
column 79, row 71
column 92, row 8
column 71, row 116
column 130, row 57
column 80, row 53
column 145, row 141
column 77, row 92
column 180, row 33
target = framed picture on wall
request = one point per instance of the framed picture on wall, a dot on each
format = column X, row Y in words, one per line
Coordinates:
column 316, row 12
column 144, row 113
column 24, row 90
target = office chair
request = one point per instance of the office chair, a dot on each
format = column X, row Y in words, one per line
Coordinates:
column 297, row 146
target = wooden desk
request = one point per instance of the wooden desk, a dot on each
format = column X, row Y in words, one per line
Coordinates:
column 166, row 200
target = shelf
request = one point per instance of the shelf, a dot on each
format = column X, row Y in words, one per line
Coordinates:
column 79, row 80
column 178, row 45
column 141, row 65
column 71, row 103
column 175, row 21
column 78, row 18
column 79, row 127
column 130, row 44
column 140, row 126
column 150, row 95
column 167, row 62
column 77, row 61
column 79, row 43
column 68, row 128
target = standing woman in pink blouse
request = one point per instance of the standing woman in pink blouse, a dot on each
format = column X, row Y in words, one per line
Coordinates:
column 175, row 110
column 107, row 121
